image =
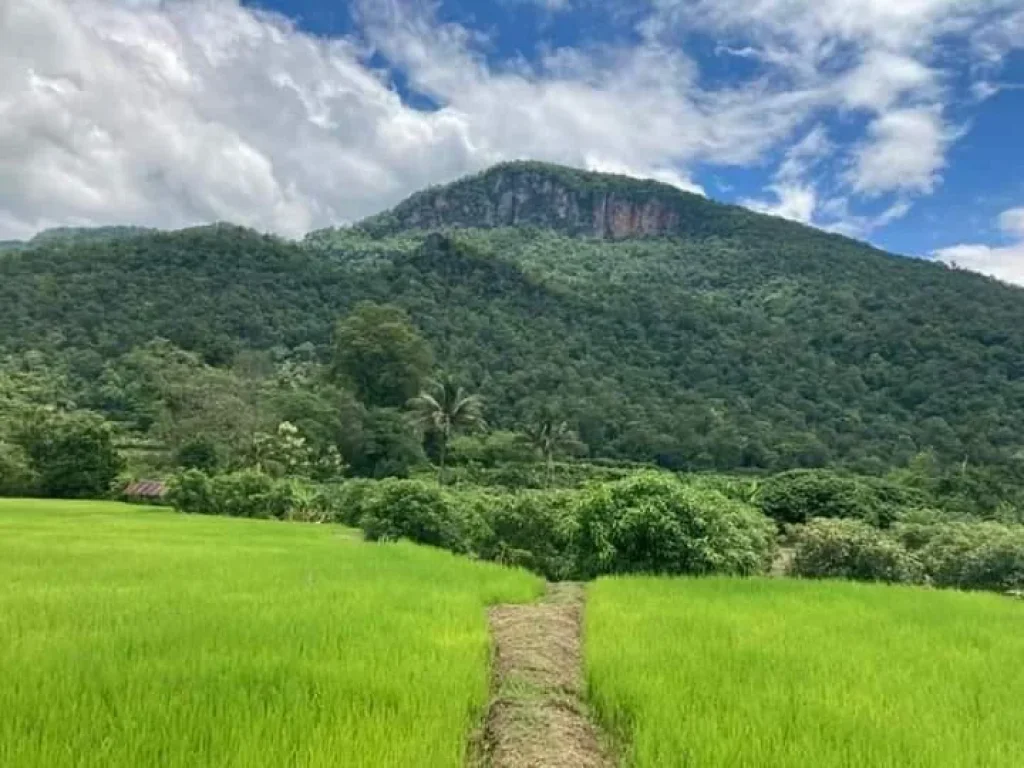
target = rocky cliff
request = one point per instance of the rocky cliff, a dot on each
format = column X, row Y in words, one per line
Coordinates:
column 554, row 197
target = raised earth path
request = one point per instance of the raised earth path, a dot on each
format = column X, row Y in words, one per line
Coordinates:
column 537, row 718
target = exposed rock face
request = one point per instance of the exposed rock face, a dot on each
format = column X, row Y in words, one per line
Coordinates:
column 550, row 197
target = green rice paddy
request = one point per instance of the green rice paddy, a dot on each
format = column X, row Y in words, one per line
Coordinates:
column 770, row 673
column 136, row 637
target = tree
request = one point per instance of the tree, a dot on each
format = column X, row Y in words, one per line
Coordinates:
column 381, row 355
column 383, row 444
column 445, row 410
column 551, row 437
column 72, row 454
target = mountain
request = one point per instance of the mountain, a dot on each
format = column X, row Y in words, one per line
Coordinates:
column 689, row 333
column 570, row 201
column 71, row 235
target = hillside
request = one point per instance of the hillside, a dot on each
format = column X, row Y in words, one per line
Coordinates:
column 572, row 202
column 73, row 235
column 694, row 334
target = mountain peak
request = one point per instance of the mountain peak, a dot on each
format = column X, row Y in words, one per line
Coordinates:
column 576, row 202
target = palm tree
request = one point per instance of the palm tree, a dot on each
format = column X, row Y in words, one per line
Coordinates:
column 445, row 408
column 550, row 437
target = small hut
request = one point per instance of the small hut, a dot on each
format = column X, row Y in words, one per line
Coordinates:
column 152, row 491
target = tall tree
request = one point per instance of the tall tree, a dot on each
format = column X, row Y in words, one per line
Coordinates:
column 380, row 354
column 444, row 409
column 551, row 437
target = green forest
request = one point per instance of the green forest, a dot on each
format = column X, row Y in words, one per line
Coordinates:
column 740, row 344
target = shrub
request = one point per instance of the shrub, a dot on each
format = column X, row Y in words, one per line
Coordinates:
column 16, row 476
column 851, row 549
column 800, row 495
column 251, row 493
column 339, row 502
column 653, row 523
column 191, row 491
column 198, row 453
column 72, row 455
column 535, row 530
column 988, row 556
column 743, row 489
column 416, row 510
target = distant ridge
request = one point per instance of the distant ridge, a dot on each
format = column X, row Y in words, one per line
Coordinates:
column 569, row 201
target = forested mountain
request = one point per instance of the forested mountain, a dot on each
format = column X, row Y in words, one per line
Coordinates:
column 572, row 202
column 72, row 235
column 664, row 327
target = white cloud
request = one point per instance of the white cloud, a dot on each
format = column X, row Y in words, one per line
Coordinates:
column 1012, row 222
column 905, row 151
column 795, row 197
column 886, row 58
column 993, row 41
column 174, row 112
column 1003, row 262
column 882, row 78
column 187, row 112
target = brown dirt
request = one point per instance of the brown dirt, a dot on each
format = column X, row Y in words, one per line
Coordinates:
column 537, row 718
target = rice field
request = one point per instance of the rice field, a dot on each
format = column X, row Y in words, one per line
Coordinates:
column 136, row 637
column 772, row 673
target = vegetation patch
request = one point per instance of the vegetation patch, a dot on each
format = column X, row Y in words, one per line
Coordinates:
column 134, row 637
column 729, row 672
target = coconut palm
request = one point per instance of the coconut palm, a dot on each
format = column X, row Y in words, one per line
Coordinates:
column 445, row 408
column 550, row 437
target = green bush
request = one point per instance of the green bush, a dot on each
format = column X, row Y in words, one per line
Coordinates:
column 72, row 455
column 800, row 495
column 416, row 510
column 198, row 453
column 16, row 476
column 653, row 523
column 535, row 530
column 492, row 449
column 986, row 556
column 251, row 493
column 191, row 491
column 851, row 549
column 518, row 476
column 344, row 502
column 248, row 493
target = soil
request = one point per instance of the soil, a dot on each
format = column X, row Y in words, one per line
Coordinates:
column 537, row 718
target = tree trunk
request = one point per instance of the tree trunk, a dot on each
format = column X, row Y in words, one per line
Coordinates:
column 440, row 463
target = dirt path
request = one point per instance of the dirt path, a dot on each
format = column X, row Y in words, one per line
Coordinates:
column 537, row 718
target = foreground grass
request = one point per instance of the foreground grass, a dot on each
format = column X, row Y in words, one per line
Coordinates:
column 724, row 672
column 133, row 637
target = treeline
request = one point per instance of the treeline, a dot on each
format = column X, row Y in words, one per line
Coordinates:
column 651, row 522
column 719, row 352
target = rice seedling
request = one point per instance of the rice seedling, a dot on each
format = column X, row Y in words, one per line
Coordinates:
column 773, row 673
column 133, row 636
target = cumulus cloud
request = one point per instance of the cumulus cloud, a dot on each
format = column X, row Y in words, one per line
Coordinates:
column 1004, row 262
column 172, row 112
column 883, row 59
column 184, row 112
column 905, row 150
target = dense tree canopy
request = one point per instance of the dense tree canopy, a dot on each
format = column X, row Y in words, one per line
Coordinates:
column 743, row 343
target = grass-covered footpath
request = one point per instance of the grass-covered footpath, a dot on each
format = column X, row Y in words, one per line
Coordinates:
column 761, row 673
column 132, row 636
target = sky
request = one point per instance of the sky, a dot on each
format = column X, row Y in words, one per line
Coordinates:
column 900, row 122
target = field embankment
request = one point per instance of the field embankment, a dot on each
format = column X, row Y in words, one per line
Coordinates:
column 537, row 718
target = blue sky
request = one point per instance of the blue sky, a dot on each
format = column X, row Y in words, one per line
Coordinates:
column 895, row 121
